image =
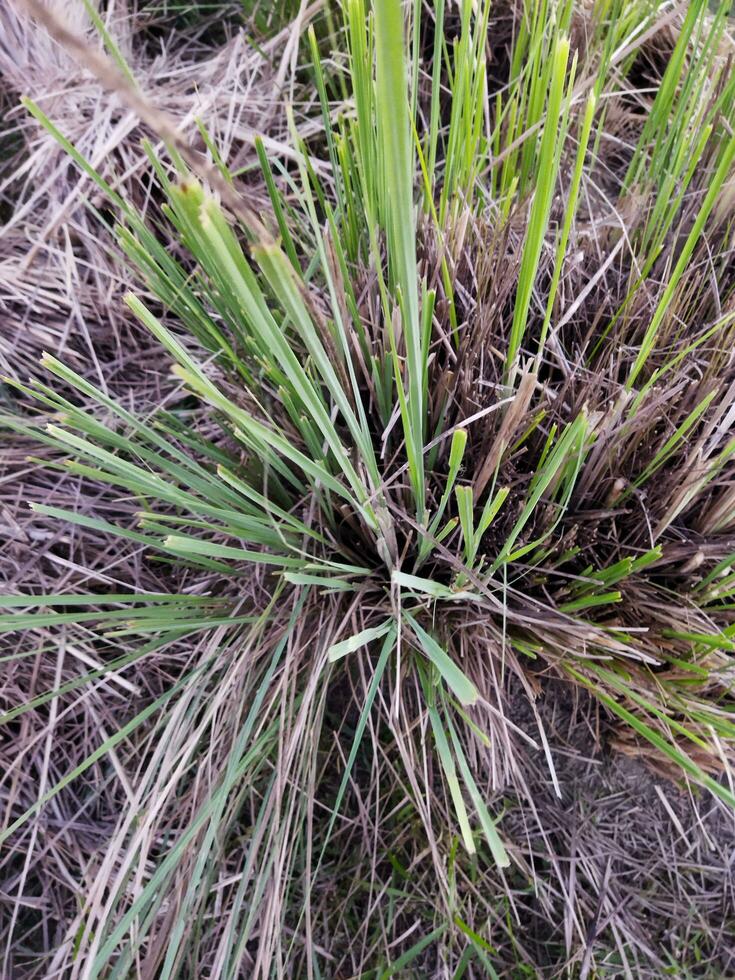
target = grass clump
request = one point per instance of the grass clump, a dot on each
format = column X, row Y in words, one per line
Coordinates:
column 453, row 437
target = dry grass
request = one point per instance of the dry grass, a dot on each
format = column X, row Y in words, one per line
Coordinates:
column 61, row 281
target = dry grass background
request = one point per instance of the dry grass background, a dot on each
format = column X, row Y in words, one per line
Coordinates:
column 623, row 861
column 61, row 278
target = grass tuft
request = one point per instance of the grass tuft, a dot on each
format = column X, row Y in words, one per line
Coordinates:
column 449, row 447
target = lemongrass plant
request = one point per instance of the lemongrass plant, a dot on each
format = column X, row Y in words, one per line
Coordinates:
column 464, row 434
